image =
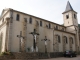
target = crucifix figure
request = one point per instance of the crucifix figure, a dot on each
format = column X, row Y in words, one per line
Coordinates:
column 45, row 43
column 34, row 39
column 20, row 41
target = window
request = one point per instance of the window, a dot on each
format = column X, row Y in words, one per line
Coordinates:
column 71, row 40
column 74, row 16
column 49, row 25
column 59, row 39
column 66, row 39
column 56, row 27
column 67, row 16
column 30, row 20
column 40, row 23
column 17, row 17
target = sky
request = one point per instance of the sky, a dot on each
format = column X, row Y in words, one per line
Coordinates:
column 50, row 10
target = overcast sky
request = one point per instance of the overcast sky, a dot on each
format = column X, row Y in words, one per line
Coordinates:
column 47, row 9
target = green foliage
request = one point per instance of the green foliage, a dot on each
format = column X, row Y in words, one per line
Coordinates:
column 6, row 53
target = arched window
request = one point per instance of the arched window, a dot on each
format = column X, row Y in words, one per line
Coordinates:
column 40, row 23
column 67, row 16
column 49, row 25
column 75, row 16
column 17, row 17
column 65, row 38
column 30, row 20
column 59, row 39
column 56, row 27
column 71, row 40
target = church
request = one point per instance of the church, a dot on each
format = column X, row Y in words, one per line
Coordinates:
column 22, row 32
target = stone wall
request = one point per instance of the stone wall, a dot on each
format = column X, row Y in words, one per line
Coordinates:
column 32, row 55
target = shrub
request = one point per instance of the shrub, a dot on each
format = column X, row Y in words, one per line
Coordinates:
column 6, row 53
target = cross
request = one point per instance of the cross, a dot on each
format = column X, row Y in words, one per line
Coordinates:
column 34, row 38
column 45, row 43
column 20, row 40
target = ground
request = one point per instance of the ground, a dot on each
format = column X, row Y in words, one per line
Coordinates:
column 61, row 58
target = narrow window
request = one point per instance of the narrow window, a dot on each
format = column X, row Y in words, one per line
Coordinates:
column 30, row 20
column 74, row 16
column 56, row 27
column 67, row 16
column 40, row 23
column 72, row 40
column 17, row 17
column 59, row 39
column 49, row 25
column 66, row 40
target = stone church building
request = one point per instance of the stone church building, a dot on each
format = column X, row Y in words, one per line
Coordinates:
column 17, row 32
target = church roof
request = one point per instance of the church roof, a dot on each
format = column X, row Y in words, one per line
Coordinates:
column 68, row 7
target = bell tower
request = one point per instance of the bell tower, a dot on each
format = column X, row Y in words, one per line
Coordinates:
column 71, row 23
column 70, row 16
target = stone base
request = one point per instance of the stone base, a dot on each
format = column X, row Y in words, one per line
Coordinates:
column 19, row 55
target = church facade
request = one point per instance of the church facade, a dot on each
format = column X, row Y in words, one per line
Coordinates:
column 17, row 32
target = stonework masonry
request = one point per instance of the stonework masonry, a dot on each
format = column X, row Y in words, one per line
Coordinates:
column 62, row 37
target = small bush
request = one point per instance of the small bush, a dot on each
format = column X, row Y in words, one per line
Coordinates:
column 6, row 53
